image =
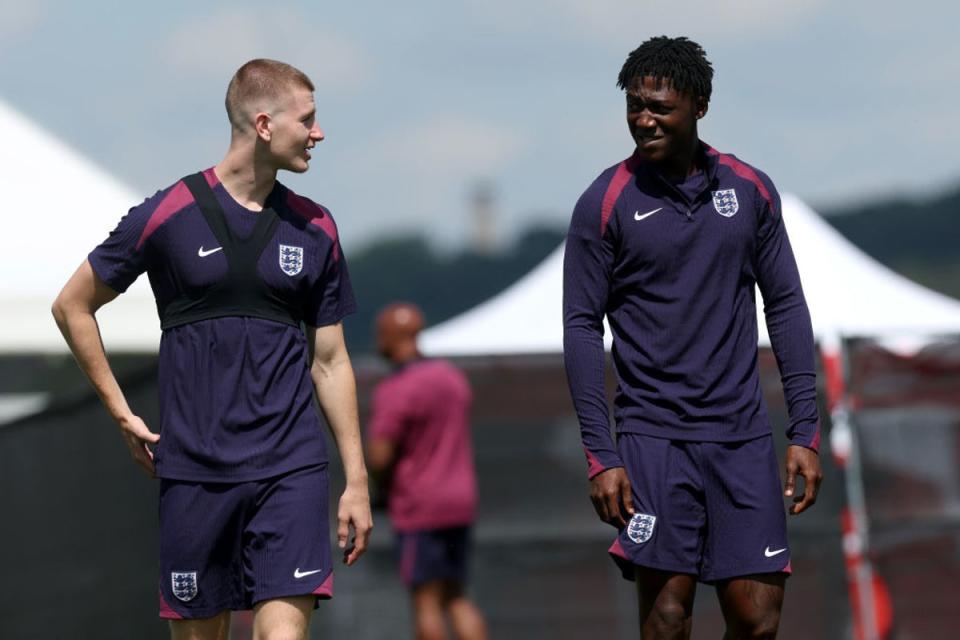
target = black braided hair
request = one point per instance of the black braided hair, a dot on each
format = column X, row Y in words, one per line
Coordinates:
column 679, row 61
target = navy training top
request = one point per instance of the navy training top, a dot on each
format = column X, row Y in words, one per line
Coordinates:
column 674, row 269
column 236, row 397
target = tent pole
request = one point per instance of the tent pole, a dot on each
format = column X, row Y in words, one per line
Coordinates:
column 845, row 445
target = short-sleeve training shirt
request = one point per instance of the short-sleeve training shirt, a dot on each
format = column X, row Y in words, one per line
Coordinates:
column 236, row 398
column 423, row 408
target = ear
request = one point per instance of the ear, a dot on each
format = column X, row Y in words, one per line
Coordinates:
column 701, row 106
column 263, row 125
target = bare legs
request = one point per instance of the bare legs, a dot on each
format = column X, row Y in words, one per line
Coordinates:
column 751, row 604
column 215, row 628
column 433, row 601
column 279, row 619
column 666, row 604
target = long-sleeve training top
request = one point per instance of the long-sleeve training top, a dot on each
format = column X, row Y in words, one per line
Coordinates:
column 674, row 268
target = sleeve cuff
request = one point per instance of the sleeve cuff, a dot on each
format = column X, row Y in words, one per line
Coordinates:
column 809, row 438
column 598, row 464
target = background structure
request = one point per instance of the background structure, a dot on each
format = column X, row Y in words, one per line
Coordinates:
column 459, row 135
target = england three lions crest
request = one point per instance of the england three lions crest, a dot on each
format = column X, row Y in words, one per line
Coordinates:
column 184, row 584
column 291, row 259
column 640, row 527
column 725, row 202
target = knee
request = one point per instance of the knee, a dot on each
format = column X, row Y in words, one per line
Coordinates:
column 282, row 633
column 431, row 627
column 759, row 627
column 669, row 619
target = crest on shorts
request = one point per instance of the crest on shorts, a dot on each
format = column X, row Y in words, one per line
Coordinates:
column 291, row 259
column 640, row 527
column 184, row 584
column 725, row 202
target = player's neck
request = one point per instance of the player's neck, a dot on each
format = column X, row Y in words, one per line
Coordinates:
column 684, row 166
column 247, row 182
column 405, row 354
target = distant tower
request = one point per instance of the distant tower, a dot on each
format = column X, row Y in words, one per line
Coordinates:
column 483, row 239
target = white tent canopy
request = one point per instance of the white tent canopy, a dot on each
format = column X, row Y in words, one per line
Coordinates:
column 849, row 294
column 58, row 207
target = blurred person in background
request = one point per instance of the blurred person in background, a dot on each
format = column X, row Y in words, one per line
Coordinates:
column 238, row 264
column 669, row 245
column 419, row 448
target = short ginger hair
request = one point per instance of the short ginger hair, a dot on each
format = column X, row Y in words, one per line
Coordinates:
column 257, row 81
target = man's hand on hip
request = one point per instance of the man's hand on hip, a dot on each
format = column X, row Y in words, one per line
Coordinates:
column 137, row 436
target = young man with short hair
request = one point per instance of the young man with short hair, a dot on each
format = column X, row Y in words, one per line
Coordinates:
column 669, row 245
column 251, row 287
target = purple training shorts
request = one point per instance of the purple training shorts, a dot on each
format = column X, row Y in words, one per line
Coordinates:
column 433, row 554
column 227, row 546
column 711, row 509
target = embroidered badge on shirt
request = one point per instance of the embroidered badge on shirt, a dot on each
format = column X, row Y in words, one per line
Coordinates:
column 291, row 259
column 725, row 202
column 184, row 584
column 640, row 527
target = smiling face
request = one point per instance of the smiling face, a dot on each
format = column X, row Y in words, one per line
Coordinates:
column 663, row 124
column 292, row 130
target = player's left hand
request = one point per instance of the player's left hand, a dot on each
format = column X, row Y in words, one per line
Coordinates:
column 354, row 512
column 804, row 462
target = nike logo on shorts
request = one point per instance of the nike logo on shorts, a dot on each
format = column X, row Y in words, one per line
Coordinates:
column 770, row 554
column 204, row 254
column 303, row 574
column 638, row 217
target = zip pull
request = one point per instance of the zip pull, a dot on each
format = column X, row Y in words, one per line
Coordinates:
column 689, row 214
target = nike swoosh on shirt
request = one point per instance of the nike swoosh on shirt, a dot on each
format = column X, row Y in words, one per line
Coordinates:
column 770, row 554
column 303, row 574
column 638, row 217
column 204, row 254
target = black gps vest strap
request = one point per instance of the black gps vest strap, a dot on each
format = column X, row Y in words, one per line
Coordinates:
column 242, row 292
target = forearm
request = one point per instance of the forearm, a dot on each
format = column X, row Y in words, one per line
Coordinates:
column 584, row 361
column 82, row 334
column 587, row 273
column 791, row 336
column 337, row 393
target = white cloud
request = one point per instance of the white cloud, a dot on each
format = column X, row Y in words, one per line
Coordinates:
column 217, row 44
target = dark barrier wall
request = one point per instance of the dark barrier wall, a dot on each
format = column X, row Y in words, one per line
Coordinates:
column 78, row 539
column 79, row 535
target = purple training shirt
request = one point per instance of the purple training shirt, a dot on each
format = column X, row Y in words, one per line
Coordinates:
column 236, row 398
column 423, row 408
column 674, row 269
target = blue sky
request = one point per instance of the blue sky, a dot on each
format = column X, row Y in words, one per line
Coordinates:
column 837, row 101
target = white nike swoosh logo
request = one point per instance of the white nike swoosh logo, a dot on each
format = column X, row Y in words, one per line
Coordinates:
column 303, row 574
column 204, row 254
column 770, row 554
column 638, row 217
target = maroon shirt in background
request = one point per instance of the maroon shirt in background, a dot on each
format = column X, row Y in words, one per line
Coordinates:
column 423, row 408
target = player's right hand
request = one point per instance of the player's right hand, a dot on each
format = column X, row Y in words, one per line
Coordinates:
column 354, row 511
column 137, row 436
column 612, row 496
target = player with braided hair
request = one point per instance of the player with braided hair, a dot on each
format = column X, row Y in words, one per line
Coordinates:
column 669, row 246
